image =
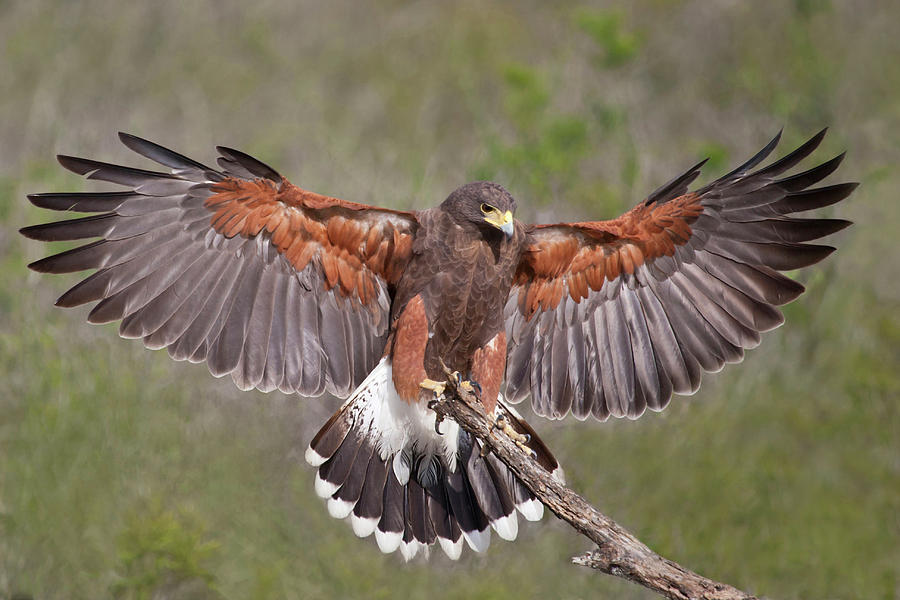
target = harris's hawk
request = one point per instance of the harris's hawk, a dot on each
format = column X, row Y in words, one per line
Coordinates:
column 286, row 289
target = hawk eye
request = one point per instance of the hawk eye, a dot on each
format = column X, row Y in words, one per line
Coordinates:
column 487, row 208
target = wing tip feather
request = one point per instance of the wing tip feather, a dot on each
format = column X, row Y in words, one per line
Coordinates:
column 251, row 164
column 75, row 164
column 30, row 232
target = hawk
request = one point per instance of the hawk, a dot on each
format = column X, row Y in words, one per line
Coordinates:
column 283, row 288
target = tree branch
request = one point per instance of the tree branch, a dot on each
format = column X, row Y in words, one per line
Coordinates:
column 618, row 552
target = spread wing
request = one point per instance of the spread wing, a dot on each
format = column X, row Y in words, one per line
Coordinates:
column 611, row 317
column 277, row 286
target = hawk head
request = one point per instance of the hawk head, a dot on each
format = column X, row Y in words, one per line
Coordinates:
column 482, row 206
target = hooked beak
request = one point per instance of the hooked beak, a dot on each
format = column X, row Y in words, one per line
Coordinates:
column 502, row 222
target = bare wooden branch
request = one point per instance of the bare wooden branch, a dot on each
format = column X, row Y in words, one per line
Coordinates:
column 618, row 552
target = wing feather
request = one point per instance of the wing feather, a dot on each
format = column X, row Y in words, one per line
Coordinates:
column 646, row 376
column 621, row 358
column 150, row 318
column 120, row 301
column 196, row 323
column 252, row 363
column 273, row 371
column 226, row 342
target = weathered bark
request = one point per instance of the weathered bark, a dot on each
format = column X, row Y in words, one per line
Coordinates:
column 618, row 552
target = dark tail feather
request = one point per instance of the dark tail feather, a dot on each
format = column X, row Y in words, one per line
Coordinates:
column 431, row 501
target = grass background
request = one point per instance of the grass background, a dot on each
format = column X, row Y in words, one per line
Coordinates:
column 123, row 474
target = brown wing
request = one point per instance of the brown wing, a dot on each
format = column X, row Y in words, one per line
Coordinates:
column 280, row 287
column 612, row 317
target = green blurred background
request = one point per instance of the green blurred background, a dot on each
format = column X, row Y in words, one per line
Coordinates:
column 123, row 474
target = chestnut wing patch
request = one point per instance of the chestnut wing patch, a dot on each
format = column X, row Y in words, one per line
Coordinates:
column 355, row 245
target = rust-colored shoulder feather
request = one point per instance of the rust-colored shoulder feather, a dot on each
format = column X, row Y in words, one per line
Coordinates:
column 355, row 243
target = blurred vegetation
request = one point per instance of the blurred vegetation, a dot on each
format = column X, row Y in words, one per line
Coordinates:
column 161, row 549
column 125, row 475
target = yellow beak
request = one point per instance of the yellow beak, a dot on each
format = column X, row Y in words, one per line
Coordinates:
column 503, row 222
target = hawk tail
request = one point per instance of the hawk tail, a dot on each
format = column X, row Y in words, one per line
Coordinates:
column 382, row 464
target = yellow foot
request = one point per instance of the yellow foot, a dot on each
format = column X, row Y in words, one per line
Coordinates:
column 521, row 439
column 435, row 386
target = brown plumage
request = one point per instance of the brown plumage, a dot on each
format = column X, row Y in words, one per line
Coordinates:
column 283, row 288
column 461, row 271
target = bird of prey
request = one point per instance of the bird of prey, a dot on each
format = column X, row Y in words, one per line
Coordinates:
column 283, row 288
